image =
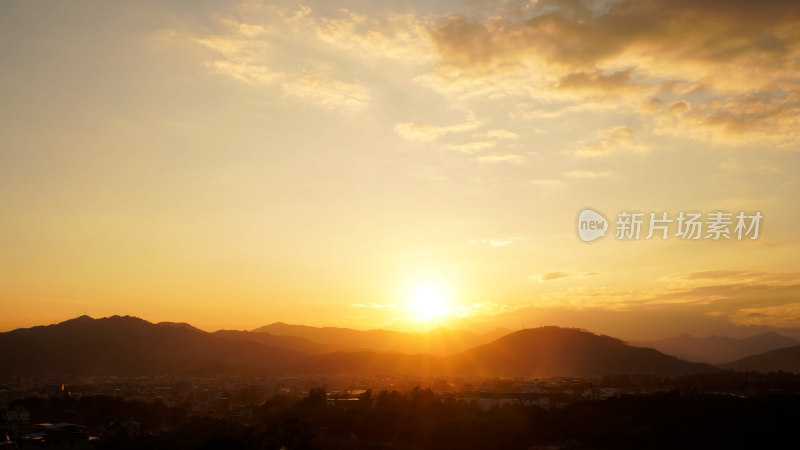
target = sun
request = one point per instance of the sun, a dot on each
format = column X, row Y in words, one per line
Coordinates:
column 428, row 301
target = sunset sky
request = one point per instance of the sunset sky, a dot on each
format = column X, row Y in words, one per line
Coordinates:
column 403, row 165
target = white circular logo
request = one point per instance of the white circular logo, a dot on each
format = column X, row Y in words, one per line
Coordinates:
column 591, row 225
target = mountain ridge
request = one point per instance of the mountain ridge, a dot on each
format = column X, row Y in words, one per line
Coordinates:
column 125, row 345
column 783, row 359
column 439, row 341
column 718, row 349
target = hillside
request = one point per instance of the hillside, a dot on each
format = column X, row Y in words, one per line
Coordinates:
column 132, row 346
column 540, row 352
column 288, row 342
column 554, row 351
column 718, row 349
column 785, row 359
column 440, row 342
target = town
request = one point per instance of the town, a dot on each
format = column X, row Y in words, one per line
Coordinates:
column 101, row 412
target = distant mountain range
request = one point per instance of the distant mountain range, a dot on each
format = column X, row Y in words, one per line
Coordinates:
column 533, row 353
column 441, row 341
column 132, row 346
column 288, row 342
column 785, row 359
column 717, row 349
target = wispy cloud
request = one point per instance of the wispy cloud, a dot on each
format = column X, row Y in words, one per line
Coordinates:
column 549, row 276
column 471, row 147
column 422, row 132
column 497, row 134
column 608, row 141
column 253, row 74
column 329, row 93
column 403, row 37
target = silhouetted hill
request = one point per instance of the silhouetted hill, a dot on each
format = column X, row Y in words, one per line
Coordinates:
column 132, row 346
column 718, row 349
column 263, row 338
column 183, row 325
column 540, row 352
column 441, row 341
column 785, row 359
column 554, row 351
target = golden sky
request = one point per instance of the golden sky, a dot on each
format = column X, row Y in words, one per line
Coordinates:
column 398, row 164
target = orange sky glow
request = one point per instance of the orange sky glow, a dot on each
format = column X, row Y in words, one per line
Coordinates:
column 401, row 165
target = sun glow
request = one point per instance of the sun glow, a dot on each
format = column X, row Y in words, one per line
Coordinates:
column 428, row 301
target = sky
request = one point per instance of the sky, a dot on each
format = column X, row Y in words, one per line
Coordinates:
column 402, row 165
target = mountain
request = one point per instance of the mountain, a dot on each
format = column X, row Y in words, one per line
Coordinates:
column 533, row 353
column 785, row 359
column 716, row 349
column 132, row 346
column 263, row 338
column 441, row 341
column 183, row 325
column 555, row 351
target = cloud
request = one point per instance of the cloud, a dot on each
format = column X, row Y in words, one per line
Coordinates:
column 403, row 37
column 549, row 276
column 741, row 275
column 423, row 132
column 295, row 15
column 721, row 301
column 328, row 93
column 767, row 117
column 608, row 141
column 710, row 35
column 498, row 134
column 473, row 146
column 249, row 73
column 597, row 84
column 563, row 57
column 240, row 54
column 743, row 55
column 679, row 108
column 721, row 274
column 247, row 53
column 651, row 106
column 772, row 316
